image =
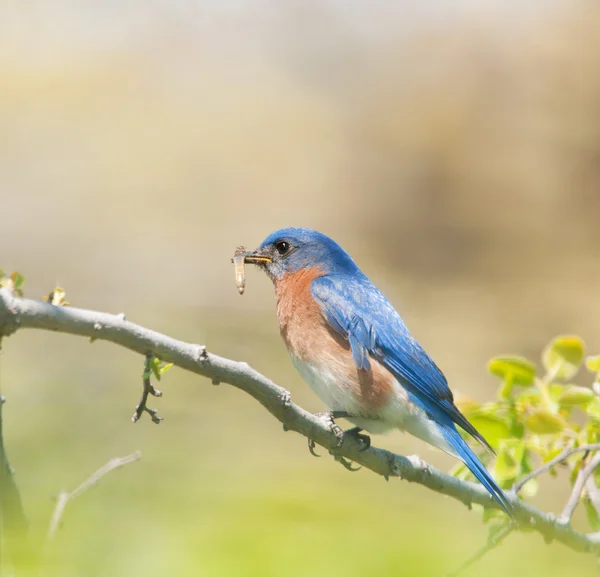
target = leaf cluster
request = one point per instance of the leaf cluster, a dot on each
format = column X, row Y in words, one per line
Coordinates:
column 536, row 415
column 13, row 282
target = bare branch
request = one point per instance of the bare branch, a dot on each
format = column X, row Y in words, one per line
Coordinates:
column 560, row 458
column 593, row 493
column 65, row 497
column 148, row 389
column 14, row 522
column 16, row 313
column 582, row 477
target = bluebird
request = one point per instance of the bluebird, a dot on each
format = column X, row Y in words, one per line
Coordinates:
column 352, row 348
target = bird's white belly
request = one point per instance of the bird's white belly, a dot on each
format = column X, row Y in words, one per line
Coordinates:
column 398, row 412
column 328, row 385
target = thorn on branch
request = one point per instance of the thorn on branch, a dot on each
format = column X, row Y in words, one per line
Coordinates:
column 148, row 389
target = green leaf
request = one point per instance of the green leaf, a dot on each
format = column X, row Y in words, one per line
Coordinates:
column 530, row 488
column 576, row 462
column 593, row 364
column 159, row 367
column 57, row 298
column 543, row 422
column 493, row 427
column 555, row 390
column 592, row 515
column 593, row 409
column 165, row 368
column 17, row 279
column 155, row 366
column 492, row 515
column 574, row 395
column 597, row 476
column 508, row 461
column 563, row 356
column 526, row 400
column 513, row 370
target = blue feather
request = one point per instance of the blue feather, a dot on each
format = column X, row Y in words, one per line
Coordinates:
column 358, row 311
column 476, row 467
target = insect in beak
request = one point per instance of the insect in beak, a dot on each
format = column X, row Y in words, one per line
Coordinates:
column 241, row 257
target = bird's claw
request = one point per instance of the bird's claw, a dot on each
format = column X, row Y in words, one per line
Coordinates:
column 347, row 464
column 364, row 440
column 329, row 417
column 311, row 448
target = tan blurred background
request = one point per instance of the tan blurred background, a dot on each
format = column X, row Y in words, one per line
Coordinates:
column 454, row 150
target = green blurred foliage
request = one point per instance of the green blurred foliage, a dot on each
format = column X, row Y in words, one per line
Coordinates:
column 13, row 281
column 453, row 150
column 536, row 417
column 287, row 520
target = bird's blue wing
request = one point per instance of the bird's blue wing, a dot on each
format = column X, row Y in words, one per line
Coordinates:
column 358, row 311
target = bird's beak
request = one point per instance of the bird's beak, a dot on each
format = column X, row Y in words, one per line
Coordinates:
column 256, row 257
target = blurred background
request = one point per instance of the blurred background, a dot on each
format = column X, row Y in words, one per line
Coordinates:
column 452, row 148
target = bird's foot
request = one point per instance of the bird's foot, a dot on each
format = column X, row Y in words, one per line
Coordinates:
column 364, row 440
column 329, row 417
column 311, row 448
column 347, row 464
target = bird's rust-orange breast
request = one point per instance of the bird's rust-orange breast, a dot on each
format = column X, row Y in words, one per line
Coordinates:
column 311, row 340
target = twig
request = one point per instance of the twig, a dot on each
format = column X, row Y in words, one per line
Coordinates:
column 578, row 486
column 593, row 493
column 65, row 497
column 147, row 389
column 14, row 522
column 16, row 313
column 557, row 460
column 493, row 541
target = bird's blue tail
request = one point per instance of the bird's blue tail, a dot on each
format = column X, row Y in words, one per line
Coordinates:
column 464, row 452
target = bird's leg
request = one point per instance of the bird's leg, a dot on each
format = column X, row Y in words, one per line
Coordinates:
column 355, row 432
column 329, row 417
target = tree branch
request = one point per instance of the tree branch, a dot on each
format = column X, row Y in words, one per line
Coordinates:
column 65, row 497
column 147, row 389
column 582, row 477
column 13, row 520
column 19, row 313
column 561, row 457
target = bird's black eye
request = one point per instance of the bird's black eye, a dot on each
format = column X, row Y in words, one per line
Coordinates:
column 282, row 247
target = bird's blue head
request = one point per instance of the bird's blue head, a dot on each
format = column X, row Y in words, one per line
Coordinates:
column 291, row 249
